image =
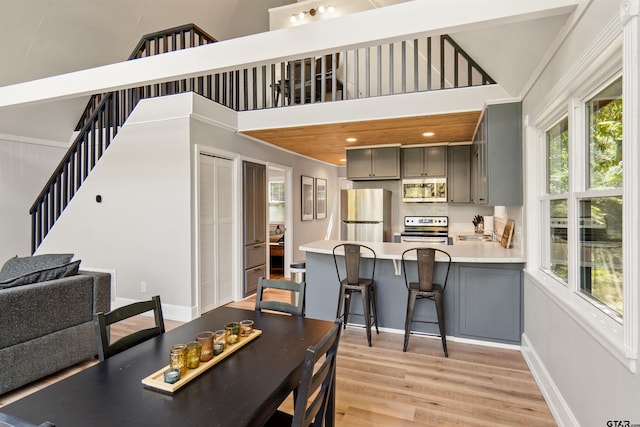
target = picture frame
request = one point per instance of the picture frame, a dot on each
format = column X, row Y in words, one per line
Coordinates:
column 307, row 198
column 321, row 198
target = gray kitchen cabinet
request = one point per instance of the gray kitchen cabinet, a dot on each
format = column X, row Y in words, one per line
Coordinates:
column 482, row 301
column 373, row 163
column 255, row 223
column 498, row 153
column 423, row 162
column 490, row 302
column 459, row 174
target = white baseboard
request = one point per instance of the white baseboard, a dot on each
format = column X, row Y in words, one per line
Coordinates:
column 558, row 406
column 449, row 338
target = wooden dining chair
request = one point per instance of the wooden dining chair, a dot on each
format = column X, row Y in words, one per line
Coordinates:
column 315, row 400
column 11, row 421
column 295, row 308
column 102, row 321
column 425, row 288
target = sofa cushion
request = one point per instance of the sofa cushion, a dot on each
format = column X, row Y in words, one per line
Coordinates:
column 70, row 269
column 22, row 271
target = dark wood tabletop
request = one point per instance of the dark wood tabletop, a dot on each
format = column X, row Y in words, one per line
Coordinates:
column 242, row 390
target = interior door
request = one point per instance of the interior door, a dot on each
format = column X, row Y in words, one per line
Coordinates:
column 216, row 225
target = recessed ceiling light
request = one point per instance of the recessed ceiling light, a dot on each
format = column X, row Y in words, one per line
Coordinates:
column 428, row 134
column 351, row 139
column 343, row 160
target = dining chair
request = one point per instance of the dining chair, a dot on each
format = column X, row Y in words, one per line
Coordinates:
column 295, row 308
column 424, row 288
column 353, row 281
column 315, row 400
column 102, row 322
column 11, row 421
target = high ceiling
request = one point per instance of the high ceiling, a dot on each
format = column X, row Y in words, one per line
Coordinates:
column 43, row 38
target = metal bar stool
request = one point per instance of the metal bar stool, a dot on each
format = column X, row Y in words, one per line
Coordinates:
column 352, row 282
column 425, row 288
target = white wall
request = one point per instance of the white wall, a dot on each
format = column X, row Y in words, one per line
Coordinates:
column 141, row 229
column 587, row 380
column 208, row 134
column 25, row 166
column 145, row 229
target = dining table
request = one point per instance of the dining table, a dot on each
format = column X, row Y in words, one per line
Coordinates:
column 244, row 389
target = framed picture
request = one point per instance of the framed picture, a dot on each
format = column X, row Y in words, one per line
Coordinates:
column 307, row 198
column 321, row 198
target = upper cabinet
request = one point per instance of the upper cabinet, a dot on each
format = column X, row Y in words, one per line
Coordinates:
column 373, row 163
column 459, row 174
column 497, row 151
column 423, row 162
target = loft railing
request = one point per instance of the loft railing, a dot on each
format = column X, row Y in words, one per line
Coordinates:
column 417, row 65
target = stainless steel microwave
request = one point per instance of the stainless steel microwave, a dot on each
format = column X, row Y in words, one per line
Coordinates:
column 424, row 190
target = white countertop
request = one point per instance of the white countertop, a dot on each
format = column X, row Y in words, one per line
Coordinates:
column 460, row 251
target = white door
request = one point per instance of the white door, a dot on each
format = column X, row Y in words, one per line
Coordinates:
column 216, row 225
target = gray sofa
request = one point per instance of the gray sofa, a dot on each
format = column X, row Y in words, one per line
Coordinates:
column 48, row 326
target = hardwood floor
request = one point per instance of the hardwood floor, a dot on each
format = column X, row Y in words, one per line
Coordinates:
column 382, row 386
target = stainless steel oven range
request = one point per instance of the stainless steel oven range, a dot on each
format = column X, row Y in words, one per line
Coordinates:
column 426, row 229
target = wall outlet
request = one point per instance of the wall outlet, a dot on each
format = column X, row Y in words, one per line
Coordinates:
column 143, row 287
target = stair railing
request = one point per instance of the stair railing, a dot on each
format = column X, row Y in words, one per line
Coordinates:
column 394, row 68
column 102, row 118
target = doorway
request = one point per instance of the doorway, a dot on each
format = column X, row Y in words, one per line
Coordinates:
column 279, row 217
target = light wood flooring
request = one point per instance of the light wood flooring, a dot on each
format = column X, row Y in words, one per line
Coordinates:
column 382, row 386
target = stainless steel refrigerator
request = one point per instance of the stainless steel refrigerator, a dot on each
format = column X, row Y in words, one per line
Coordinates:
column 365, row 215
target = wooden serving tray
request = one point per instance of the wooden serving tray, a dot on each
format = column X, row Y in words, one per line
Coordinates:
column 156, row 380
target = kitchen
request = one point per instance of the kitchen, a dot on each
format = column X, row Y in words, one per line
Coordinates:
column 459, row 181
column 434, row 194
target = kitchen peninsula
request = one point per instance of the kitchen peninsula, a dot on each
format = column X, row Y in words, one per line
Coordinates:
column 483, row 298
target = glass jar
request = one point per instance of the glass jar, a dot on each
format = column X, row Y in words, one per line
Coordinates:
column 219, row 342
column 246, row 328
column 194, row 348
column 233, row 330
column 178, row 358
column 206, row 338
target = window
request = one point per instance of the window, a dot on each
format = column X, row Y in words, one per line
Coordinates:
column 555, row 203
column 581, row 204
column 600, row 209
column 604, row 130
column 276, row 202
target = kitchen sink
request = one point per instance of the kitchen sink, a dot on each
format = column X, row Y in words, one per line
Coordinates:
column 474, row 238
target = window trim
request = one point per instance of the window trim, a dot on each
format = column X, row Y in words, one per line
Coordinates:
column 621, row 340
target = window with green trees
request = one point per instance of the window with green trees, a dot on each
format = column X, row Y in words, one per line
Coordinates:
column 600, row 222
column 557, row 148
column 581, row 204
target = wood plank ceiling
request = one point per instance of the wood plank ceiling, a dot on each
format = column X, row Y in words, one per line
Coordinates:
column 328, row 142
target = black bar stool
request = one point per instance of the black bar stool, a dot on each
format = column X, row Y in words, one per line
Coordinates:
column 425, row 288
column 352, row 282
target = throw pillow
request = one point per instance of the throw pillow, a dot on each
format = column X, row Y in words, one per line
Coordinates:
column 58, row 272
column 19, row 266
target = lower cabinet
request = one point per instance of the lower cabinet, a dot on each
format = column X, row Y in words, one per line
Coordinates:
column 482, row 302
column 251, row 276
column 490, row 302
column 255, row 259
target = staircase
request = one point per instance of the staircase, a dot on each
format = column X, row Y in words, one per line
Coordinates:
column 432, row 63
